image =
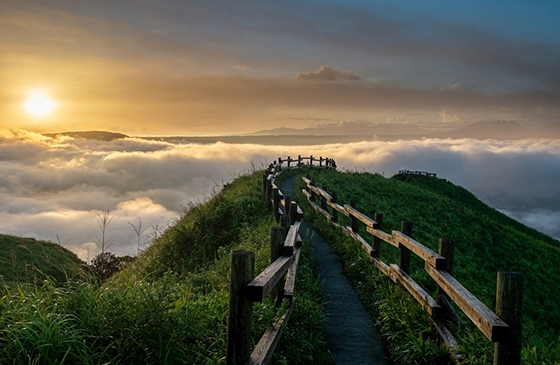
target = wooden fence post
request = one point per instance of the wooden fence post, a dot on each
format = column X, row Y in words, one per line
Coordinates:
column 404, row 261
column 320, row 161
column 311, row 161
column 289, row 160
column 269, row 192
column 293, row 212
column 285, row 223
column 287, row 206
column 276, row 204
column 354, row 219
column 509, row 307
column 299, row 161
column 240, row 309
column 323, row 200
column 447, row 250
column 277, row 235
column 312, row 192
column 378, row 218
column 334, row 217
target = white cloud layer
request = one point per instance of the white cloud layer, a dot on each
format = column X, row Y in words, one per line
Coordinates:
column 52, row 187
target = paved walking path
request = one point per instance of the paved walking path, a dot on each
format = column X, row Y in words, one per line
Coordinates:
column 350, row 333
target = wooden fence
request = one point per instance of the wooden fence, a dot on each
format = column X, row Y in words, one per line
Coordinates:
column 439, row 266
column 277, row 279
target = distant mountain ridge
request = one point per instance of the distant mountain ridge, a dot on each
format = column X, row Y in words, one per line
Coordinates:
column 97, row 135
column 498, row 129
column 348, row 128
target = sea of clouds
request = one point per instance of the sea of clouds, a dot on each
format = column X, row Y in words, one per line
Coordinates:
column 51, row 187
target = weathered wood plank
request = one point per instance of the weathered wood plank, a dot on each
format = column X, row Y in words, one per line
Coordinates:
column 427, row 302
column 290, row 242
column 426, row 254
column 493, row 327
column 366, row 246
column 267, row 344
column 449, row 341
column 240, row 309
column 313, row 189
column 290, row 284
column 383, row 235
column 445, row 335
column 306, row 193
column 262, row 285
column 299, row 213
column 323, row 212
column 381, row 266
column 306, row 180
column 339, row 208
column 336, row 225
column 324, row 194
column 360, row 216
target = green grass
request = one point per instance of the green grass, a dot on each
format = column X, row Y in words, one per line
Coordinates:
column 30, row 260
column 168, row 307
column 486, row 242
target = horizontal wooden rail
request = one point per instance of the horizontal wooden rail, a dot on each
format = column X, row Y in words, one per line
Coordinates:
column 265, row 348
column 436, row 265
column 289, row 286
column 353, row 212
column 366, row 246
column 396, row 274
column 259, row 288
column 489, row 323
column 429, row 256
column 383, row 235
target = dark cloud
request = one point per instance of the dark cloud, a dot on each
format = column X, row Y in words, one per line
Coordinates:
column 326, row 73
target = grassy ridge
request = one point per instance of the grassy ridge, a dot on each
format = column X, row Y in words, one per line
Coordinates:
column 170, row 306
column 486, row 242
column 30, row 260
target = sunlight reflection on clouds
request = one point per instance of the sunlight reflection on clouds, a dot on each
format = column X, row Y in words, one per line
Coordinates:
column 54, row 186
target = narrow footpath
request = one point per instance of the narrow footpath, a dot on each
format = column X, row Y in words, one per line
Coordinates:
column 350, row 333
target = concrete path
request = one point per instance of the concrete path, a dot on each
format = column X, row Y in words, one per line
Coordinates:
column 350, row 333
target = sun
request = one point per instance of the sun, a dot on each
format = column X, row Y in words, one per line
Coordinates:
column 39, row 105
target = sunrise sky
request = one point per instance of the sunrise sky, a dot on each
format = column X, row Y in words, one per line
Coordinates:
column 209, row 67
column 193, row 68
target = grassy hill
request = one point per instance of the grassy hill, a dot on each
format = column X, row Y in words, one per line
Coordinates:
column 29, row 260
column 170, row 306
column 486, row 242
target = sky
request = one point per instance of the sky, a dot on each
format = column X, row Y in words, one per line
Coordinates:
column 210, row 68
column 176, row 67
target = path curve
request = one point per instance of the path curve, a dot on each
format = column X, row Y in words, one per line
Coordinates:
column 350, row 333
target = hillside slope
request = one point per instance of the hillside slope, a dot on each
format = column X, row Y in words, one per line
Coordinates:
column 29, row 260
column 486, row 240
column 171, row 305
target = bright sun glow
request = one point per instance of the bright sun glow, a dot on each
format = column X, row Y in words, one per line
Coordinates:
column 39, row 105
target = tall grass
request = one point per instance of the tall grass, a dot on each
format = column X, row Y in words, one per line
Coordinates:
column 486, row 242
column 171, row 305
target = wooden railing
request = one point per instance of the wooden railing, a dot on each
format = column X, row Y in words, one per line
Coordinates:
column 277, row 279
column 439, row 266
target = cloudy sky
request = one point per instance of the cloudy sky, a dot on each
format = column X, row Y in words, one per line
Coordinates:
column 176, row 67
column 214, row 67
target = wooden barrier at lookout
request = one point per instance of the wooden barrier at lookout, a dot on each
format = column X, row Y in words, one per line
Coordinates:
column 277, row 279
column 503, row 327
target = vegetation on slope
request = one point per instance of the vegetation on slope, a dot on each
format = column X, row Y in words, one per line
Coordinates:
column 29, row 260
column 169, row 306
column 486, row 242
